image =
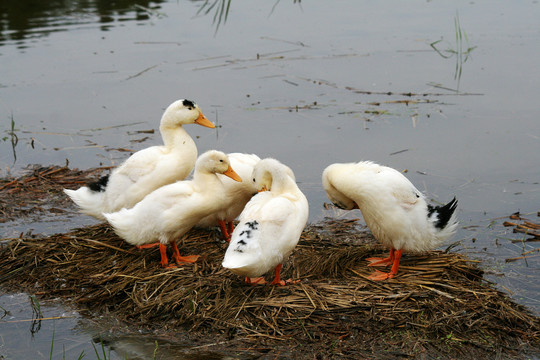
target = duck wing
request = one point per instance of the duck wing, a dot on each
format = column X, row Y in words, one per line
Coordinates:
column 260, row 233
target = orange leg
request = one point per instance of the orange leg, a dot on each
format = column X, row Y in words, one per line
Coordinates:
column 164, row 260
column 277, row 278
column 224, row 231
column 231, row 227
column 382, row 261
column 182, row 259
column 379, row 275
column 162, row 252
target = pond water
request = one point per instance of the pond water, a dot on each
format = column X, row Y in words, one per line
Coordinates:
column 445, row 90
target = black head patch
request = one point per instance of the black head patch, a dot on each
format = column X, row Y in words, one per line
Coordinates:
column 189, row 104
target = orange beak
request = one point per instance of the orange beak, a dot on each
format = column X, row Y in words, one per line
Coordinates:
column 264, row 188
column 230, row 173
column 202, row 120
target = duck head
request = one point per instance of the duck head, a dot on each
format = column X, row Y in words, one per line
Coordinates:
column 269, row 174
column 216, row 162
column 182, row 112
column 337, row 197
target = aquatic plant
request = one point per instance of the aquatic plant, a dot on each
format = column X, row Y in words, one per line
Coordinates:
column 37, row 315
column 105, row 354
column 12, row 136
column 461, row 50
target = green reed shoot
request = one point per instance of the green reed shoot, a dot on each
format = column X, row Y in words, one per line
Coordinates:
column 461, row 50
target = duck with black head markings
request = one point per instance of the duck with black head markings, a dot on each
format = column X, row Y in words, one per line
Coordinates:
column 394, row 210
column 147, row 169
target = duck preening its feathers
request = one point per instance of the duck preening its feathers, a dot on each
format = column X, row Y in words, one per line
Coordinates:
column 270, row 225
column 394, row 210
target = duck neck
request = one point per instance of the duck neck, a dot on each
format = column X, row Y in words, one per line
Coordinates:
column 175, row 137
column 281, row 182
column 208, row 182
column 339, row 199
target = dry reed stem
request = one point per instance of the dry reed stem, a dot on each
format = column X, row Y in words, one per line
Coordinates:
column 39, row 190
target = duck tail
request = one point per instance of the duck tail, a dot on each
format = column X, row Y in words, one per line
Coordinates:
column 124, row 223
column 89, row 202
column 444, row 218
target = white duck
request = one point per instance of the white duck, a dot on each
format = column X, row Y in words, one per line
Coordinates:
column 169, row 212
column 394, row 210
column 147, row 169
column 237, row 194
column 270, row 225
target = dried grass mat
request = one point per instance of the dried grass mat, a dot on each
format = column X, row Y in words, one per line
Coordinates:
column 438, row 300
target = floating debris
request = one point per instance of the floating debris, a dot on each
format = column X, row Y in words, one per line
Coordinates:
column 526, row 227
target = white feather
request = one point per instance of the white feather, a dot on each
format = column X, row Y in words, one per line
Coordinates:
column 147, row 169
column 237, row 193
column 170, row 211
column 393, row 209
column 271, row 223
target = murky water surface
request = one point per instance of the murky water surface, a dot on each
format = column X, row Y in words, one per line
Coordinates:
column 308, row 83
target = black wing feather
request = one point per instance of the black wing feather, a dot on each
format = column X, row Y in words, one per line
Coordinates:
column 100, row 185
column 444, row 213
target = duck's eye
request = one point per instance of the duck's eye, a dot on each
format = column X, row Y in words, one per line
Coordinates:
column 253, row 179
column 220, row 160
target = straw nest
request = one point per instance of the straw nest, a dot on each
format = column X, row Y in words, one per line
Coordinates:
column 438, row 304
column 35, row 192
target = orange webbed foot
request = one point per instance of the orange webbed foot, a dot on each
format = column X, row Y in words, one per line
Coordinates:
column 284, row 282
column 182, row 259
column 255, row 281
column 380, row 261
column 380, row 276
column 278, row 283
column 147, row 246
column 169, row 266
column 190, row 259
column 374, row 261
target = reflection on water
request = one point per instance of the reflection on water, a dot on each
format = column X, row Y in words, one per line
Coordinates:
column 461, row 50
column 11, row 135
column 24, row 20
column 221, row 10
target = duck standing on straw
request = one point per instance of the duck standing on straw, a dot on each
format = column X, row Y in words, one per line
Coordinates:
column 394, row 210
